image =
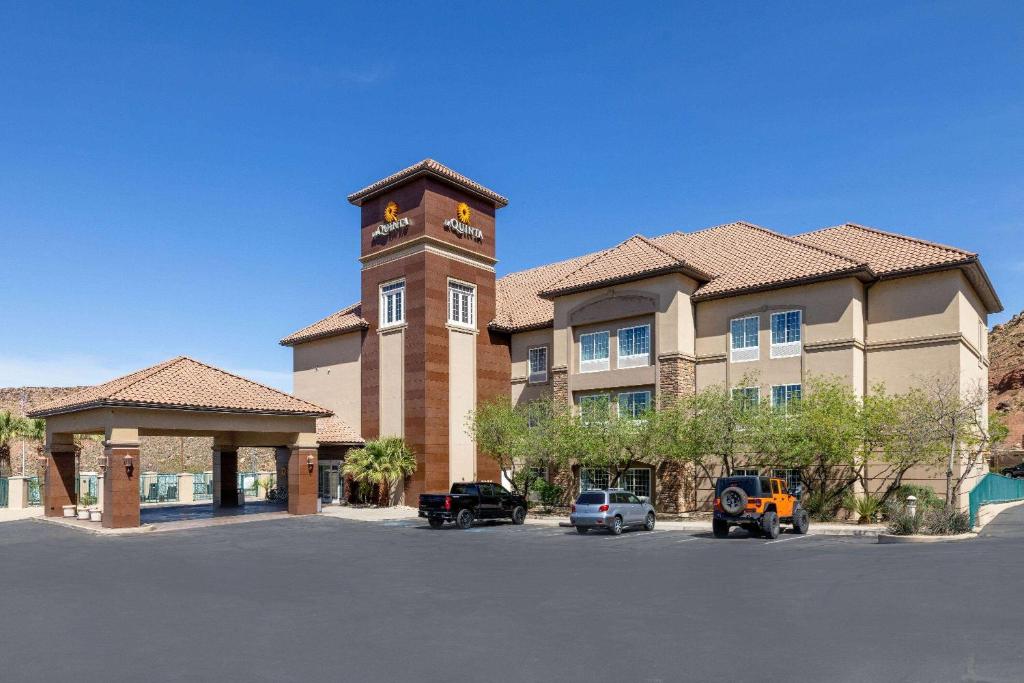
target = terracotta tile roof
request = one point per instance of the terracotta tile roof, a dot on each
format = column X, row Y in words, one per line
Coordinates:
column 427, row 167
column 885, row 252
column 746, row 257
column 636, row 258
column 347, row 319
column 518, row 302
column 183, row 383
column 331, row 431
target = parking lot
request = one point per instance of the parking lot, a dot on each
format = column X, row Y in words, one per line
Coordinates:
column 324, row 598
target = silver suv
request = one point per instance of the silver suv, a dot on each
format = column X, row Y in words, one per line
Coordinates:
column 614, row 510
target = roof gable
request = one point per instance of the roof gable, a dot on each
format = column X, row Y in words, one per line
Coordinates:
column 431, row 168
column 347, row 319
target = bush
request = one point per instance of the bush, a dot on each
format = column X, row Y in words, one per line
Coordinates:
column 865, row 508
column 926, row 497
column 946, row 521
column 550, row 494
column 85, row 499
column 901, row 522
column 820, row 506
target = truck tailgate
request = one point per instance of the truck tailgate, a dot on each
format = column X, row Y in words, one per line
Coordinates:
column 432, row 501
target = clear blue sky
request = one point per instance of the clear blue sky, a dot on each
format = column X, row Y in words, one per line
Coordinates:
column 173, row 175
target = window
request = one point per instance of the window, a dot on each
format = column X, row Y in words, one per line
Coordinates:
column 634, row 403
column 745, row 472
column 791, row 476
column 460, row 304
column 785, row 334
column 748, row 397
column 637, row 480
column 784, row 394
column 744, row 339
column 634, row 346
column 594, row 408
column 539, row 364
column 392, row 304
column 594, row 352
column 593, row 478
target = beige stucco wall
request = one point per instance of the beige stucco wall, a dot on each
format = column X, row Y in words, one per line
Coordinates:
column 917, row 306
column 327, row 373
column 832, row 336
column 521, row 343
column 392, row 383
column 461, row 402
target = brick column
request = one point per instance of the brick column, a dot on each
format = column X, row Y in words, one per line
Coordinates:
column 59, row 485
column 676, row 377
column 302, row 481
column 121, row 486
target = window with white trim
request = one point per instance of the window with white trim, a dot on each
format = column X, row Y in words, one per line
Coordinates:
column 744, row 472
column 791, row 476
column 595, row 407
column 744, row 339
column 594, row 352
column 593, row 478
column 637, row 480
column 747, row 397
column 633, row 404
column 538, row 364
column 785, row 394
column 392, row 304
column 786, row 334
column 460, row 304
column 634, row 346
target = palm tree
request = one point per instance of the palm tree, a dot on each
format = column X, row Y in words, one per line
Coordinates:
column 35, row 430
column 11, row 427
column 381, row 463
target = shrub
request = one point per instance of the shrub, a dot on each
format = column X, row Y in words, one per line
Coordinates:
column 926, row 497
column 865, row 508
column 820, row 506
column 550, row 494
column 946, row 521
column 901, row 522
column 86, row 499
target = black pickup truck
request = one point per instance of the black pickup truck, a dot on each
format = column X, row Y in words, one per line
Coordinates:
column 469, row 501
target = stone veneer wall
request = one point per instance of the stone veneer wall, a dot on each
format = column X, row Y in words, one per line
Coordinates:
column 560, row 386
column 675, row 483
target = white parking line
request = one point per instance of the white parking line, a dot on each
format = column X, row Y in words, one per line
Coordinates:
column 791, row 538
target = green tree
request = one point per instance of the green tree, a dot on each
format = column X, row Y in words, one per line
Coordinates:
column 706, row 430
column 11, row 427
column 605, row 438
column 911, row 439
column 381, row 463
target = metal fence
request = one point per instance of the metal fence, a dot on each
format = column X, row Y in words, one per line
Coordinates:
column 35, row 491
column 158, row 488
column 202, row 486
column 994, row 488
column 253, row 483
column 3, row 492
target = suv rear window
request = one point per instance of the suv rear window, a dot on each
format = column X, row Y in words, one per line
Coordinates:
column 592, row 498
column 749, row 484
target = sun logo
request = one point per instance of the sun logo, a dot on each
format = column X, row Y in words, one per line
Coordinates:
column 391, row 212
column 463, row 213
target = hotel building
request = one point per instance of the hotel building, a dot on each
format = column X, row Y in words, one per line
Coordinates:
column 436, row 333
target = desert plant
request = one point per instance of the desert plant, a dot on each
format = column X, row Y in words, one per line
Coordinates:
column 926, row 497
column 901, row 522
column 946, row 521
column 864, row 508
column 11, row 427
column 820, row 505
column 381, row 463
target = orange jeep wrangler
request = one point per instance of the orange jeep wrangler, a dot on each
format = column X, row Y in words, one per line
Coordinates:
column 757, row 504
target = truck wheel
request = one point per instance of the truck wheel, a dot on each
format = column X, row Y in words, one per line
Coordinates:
column 649, row 522
column 435, row 522
column 770, row 524
column 518, row 515
column 615, row 528
column 582, row 530
column 801, row 521
column 464, row 520
column 720, row 528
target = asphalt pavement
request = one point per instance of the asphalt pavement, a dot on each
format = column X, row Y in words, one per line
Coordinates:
column 321, row 598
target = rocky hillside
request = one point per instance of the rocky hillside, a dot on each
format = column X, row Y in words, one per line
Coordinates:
column 1006, row 375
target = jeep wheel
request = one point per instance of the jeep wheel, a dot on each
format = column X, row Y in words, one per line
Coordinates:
column 464, row 520
column 801, row 521
column 720, row 528
column 435, row 522
column 582, row 530
column 616, row 526
column 733, row 500
column 770, row 524
column 649, row 522
column 519, row 515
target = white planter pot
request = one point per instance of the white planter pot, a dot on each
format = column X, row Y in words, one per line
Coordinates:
column 69, row 510
column 95, row 516
column 83, row 514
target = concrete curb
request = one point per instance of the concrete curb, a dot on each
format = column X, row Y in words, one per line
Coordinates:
column 920, row 538
column 857, row 530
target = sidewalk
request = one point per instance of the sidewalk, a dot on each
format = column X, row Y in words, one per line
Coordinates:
column 401, row 512
column 11, row 515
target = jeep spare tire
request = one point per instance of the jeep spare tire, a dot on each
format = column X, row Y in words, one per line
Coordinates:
column 733, row 500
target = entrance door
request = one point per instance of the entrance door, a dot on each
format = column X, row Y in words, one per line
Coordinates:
column 323, row 485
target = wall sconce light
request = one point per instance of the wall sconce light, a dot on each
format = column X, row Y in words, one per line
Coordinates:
column 129, row 465
column 101, row 462
column 310, row 461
